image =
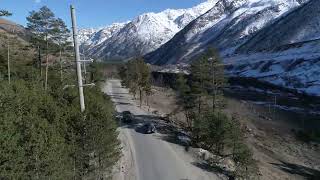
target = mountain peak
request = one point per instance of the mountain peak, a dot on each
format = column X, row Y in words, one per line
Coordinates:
column 142, row 35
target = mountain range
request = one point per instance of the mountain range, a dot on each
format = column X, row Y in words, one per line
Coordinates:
column 271, row 40
column 140, row 36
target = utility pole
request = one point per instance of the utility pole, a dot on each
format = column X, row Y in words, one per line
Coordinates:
column 77, row 56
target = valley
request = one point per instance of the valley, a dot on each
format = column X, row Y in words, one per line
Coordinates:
column 150, row 90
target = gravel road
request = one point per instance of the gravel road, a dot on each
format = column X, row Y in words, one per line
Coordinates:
column 149, row 157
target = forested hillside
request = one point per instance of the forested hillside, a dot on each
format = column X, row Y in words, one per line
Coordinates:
column 43, row 133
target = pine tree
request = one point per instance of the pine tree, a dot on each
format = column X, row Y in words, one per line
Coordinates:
column 41, row 25
column 136, row 76
column 200, row 70
column 185, row 99
column 199, row 94
column 217, row 79
column 143, row 78
column 60, row 36
column 5, row 13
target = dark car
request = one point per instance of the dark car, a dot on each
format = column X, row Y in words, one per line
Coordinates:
column 148, row 128
column 126, row 117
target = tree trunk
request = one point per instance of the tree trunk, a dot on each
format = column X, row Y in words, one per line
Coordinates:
column 47, row 63
column 213, row 88
column 9, row 74
column 60, row 57
column 199, row 106
column 40, row 62
column 140, row 92
column 147, row 100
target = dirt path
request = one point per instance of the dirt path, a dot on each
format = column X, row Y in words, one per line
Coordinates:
column 150, row 157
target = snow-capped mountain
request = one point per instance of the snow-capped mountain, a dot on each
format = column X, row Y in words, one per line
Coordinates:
column 90, row 38
column 277, row 41
column 85, row 34
column 142, row 35
column 226, row 26
column 287, row 53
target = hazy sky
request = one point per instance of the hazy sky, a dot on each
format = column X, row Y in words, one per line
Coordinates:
column 93, row 13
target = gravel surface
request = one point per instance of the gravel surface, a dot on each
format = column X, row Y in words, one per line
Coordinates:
column 150, row 156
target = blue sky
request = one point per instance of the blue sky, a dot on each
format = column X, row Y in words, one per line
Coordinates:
column 93, row 13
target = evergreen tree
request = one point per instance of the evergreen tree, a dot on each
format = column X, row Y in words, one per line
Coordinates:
column 217, row 79
column 200, row 78
column 40, row 151
column 5, row 13
column 41, row 25
column 143, row 78
column 136, row 76
column 185, row 99
column 60, row 36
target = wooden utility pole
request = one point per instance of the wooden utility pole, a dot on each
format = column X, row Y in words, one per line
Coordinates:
column 77, row 56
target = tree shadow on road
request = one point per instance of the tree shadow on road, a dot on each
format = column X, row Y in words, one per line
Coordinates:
column 306, row 172
column 121, row 103
column 118, row 97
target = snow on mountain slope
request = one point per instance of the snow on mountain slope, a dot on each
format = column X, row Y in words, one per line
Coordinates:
column 85, row 34
column 298, row 26
column 226, row 26
column 273, row 41
column 295, row 68
column 144, row 34
column 287, row 53
column 90, row 38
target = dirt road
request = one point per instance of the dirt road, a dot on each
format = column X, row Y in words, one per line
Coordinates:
column 152, row 158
